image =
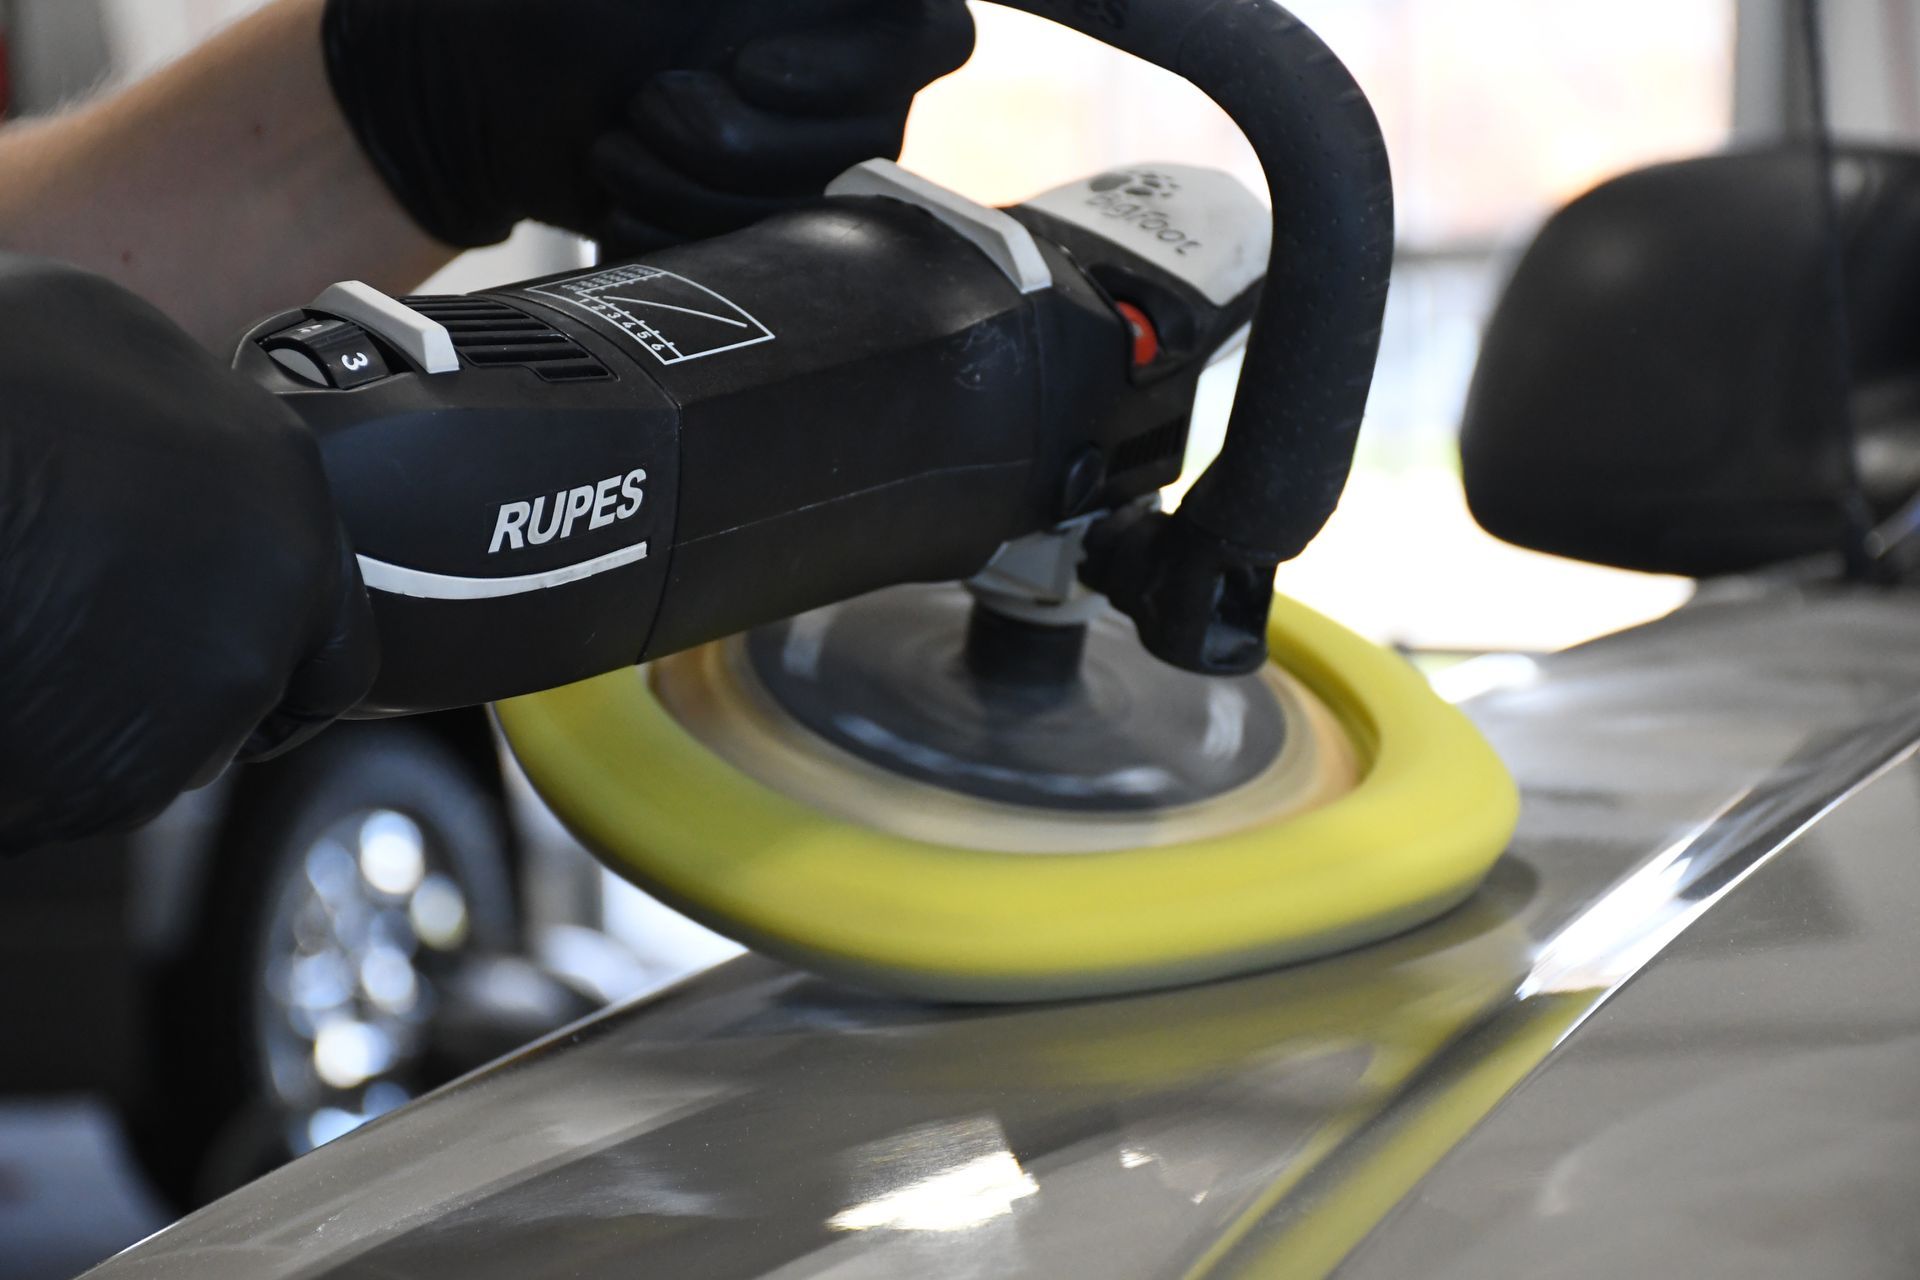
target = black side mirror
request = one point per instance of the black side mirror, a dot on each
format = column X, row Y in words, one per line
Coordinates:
column 1659, row 388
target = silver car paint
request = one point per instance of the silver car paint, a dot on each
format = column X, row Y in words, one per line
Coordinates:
column 1721, row 828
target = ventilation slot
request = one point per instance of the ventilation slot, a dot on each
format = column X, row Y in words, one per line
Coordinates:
column 490, row 334
column 1166, row 441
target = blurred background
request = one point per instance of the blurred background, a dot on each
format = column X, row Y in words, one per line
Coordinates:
column 471, row 920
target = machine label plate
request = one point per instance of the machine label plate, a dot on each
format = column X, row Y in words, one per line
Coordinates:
column 1200, row 225
column 670, row 316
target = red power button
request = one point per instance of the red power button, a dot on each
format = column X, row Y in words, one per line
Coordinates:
column 1146, row 339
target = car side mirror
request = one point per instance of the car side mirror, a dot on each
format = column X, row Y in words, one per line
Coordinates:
column 1659, row 387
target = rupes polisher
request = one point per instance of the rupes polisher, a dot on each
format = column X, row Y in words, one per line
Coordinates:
column 1101, row 757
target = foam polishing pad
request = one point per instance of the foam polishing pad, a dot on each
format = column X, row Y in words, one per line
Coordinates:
column 846, row 791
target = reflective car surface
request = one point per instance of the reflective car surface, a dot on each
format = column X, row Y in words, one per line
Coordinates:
column 1675, row 1031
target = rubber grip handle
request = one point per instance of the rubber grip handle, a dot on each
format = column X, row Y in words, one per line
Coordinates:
column 1199, row 583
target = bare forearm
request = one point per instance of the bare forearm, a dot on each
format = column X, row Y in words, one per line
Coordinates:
column 224, row 187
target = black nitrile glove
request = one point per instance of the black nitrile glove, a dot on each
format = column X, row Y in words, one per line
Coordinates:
column 638, row 122
column 175, row 588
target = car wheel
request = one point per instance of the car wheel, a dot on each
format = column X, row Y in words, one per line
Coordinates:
column 353, row 882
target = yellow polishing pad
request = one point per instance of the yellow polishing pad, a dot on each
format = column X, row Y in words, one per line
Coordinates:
column 1384, row 809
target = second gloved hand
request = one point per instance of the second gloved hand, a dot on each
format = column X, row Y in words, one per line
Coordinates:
column 175, row 588
column 638, row 122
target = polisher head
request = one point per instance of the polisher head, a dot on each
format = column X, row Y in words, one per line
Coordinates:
column 870, row 791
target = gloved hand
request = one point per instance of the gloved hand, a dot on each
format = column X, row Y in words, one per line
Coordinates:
column 638, row 122
column 174, row 584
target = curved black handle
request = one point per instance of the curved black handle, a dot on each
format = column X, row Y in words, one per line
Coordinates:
column 1199, row 584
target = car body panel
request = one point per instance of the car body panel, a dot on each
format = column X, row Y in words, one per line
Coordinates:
column 1746, row 1104
column 1397, row 1109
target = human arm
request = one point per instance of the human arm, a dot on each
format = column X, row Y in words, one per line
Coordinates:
column 314, row 141
column 221, row 189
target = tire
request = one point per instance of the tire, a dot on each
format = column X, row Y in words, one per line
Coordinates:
column 229, row 1096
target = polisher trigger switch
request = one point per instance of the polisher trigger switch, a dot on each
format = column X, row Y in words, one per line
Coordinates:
column 1146, row 339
